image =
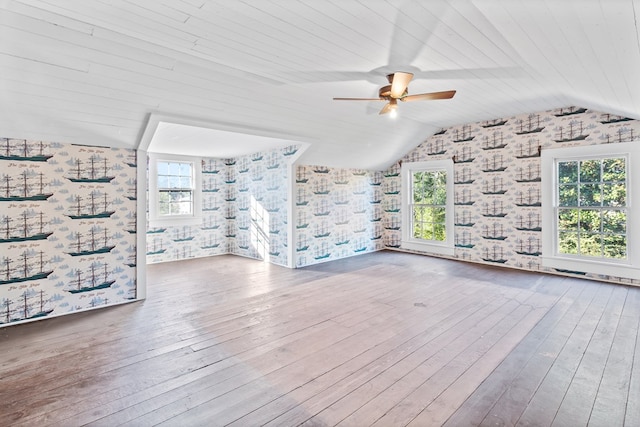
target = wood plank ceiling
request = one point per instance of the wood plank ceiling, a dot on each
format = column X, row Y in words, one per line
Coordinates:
column 91, row 72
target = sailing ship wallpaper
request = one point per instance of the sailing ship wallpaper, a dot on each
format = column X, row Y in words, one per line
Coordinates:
column 497, row 181
column 244, row 210
column 338, row 213
column 64, row 212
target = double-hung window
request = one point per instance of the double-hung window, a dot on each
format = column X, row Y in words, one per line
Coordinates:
column 590, row 209
column 174, row 190
column 427, row 223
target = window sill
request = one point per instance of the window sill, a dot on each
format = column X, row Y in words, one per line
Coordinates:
column 176, row 221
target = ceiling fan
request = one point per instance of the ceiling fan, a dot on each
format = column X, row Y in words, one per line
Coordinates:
column 397, row 90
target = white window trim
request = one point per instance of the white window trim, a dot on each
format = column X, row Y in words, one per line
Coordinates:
column 629, row 268
column 156, row 220
column 408, row 241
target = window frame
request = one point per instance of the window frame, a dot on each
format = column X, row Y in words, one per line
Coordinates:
column 550, row 158
column 408, row 169
column 157, row 220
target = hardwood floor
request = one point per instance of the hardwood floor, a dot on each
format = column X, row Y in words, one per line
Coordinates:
column 385, row 339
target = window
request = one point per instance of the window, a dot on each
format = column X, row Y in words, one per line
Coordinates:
column 174, row 190
column 592, row 211
column 428, row 206
column 588, row 206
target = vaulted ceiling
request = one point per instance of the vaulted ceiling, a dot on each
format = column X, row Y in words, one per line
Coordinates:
column 91, row 72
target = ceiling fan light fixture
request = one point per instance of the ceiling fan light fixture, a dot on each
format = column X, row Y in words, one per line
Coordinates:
column 397, row 89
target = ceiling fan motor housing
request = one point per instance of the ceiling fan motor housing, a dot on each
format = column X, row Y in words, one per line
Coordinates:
column 385, row 92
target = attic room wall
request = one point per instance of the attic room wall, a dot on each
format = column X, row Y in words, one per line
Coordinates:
column 498, row 183
column 67, row 228
column 338, row 213
column 244, row 204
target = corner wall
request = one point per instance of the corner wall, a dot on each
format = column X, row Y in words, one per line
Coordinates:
column 260, row 205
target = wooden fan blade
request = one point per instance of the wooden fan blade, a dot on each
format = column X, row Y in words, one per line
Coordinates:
column 399, row 84
column 448, row 94
column 358, row 99
column 386, row 109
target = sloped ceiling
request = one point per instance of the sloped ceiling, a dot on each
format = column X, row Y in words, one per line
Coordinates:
column 91, row 72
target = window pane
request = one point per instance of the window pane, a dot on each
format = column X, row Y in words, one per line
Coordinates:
column 440, row 196
column 591, row 244
column 183, row 196
column 185, row 182
column 568, row 195
column 417, row 195
column 427, row 232
column 613, row 170
column 590, row 220
column 174, row 169
column 568, row 242
column 185, row 169
column 568, row 219
column 417, row 214
column 590, row 171
column 164, row 197
column 590, row 195
column 614, row 222
column 439, row 232
column 417, row 230
column 427, row 214
column 614, row 195
column 441, row 179
column 163, row 168
column 439, row 215
column 615, row 246
column 568, row 172
column 183, row 208
column 427, row 193
column 164, row 208
column 163, row 182
column 174, row 182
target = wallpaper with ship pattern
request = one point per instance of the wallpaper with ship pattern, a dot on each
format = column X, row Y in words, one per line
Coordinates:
column 338, row 213
column 497, row 180
column 244, row 207
column 67, row 228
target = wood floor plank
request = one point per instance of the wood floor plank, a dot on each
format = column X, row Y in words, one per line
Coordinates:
column 298, row 324
column 444, row 404
column 584, row 384
column 459, row 376
column 387, row 338
column 246, row 373
column 543, row 406
column 411, row 371
column 632, row 412
column 502, row 397
column 362, row 367
column 613, row 391
column 237, row 350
